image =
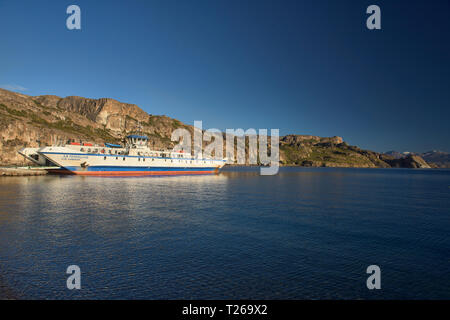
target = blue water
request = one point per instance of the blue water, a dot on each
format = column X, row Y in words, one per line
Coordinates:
column 307, row 233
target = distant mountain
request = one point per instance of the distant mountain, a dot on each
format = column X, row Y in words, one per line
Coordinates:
column 409, row 161
column 438, row 159
column 30, row 121
column 395, row 154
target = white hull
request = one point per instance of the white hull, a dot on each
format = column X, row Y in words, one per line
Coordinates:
column 104, row 161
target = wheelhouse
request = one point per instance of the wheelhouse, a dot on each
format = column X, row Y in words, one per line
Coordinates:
column 136, row 141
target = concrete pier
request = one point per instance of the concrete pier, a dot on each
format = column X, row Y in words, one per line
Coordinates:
column 22, row 171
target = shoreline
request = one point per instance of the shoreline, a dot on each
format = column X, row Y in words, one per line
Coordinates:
column 36, row 171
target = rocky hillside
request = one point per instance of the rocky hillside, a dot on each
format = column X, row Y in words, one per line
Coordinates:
column 30, row 121
column 409, row 161
column 27, row 121
column 334, row 152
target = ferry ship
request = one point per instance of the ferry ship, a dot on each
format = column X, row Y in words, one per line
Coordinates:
column 133, row 159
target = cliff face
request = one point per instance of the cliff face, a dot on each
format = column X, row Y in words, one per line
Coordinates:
column 27, row 121
column 110, row 114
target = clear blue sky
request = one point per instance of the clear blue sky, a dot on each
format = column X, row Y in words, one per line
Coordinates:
column 306, row 67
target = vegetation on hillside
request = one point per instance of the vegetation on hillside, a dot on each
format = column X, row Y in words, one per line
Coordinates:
column 29, row 121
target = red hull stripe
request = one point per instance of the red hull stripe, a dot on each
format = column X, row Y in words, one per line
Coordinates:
column 139, row 173
column 59, row 171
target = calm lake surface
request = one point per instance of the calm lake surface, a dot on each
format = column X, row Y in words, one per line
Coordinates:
column 306, row 233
